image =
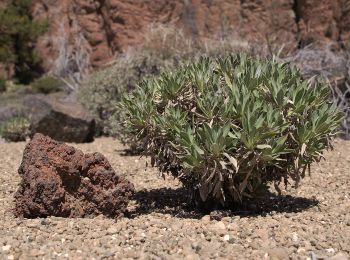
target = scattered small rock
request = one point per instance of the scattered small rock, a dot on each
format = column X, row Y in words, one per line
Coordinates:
column 218, row 226
column 278, row 254
column 161, row 226
column 112, row 230
column 206, row 218
column 330, row 250
column 339, row 256
column 6, row 248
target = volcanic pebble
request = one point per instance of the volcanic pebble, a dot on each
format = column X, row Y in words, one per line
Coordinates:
column 311, row 222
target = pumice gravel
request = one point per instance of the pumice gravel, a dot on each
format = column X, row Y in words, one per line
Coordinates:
column 312, row 222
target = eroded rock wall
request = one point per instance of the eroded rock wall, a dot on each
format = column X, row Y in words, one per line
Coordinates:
column 110, row 26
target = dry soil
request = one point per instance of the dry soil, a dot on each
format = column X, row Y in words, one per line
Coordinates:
column 311, row 222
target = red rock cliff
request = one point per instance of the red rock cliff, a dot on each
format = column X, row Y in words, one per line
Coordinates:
column 109, row 26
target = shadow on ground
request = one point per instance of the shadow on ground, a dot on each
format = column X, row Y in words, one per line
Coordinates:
column 175, row 202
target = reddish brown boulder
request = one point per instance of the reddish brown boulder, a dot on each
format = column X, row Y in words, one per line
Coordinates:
column 59, row 180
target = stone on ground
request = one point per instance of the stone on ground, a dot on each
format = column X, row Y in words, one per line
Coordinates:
column 62, row 121
column 59, row 180
column 50, row 115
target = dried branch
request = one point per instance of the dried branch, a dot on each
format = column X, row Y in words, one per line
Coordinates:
column 334, row 66
column 72, row 64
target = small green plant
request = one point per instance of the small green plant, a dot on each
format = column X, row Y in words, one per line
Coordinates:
column 15, row 87
column 2, row 85
column 15, row 129
column 101, row 92
column 229, row 127
column 47, row 84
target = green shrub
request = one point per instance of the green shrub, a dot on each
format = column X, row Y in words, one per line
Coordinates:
column 104, row 89
column 15, row 87
column 164, row 48
column 229, row 127
column 2, row 85
column 47, row 85
column 15, row 129
column 19, row 33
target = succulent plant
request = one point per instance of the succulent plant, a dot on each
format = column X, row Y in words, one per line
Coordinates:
column 165, row 47
column 228, row 127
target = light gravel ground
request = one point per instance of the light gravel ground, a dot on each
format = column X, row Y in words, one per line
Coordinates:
column 312, row 222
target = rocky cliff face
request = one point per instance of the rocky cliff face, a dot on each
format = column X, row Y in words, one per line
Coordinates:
column 105, row 27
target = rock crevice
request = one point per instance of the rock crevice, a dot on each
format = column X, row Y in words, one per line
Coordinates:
column 111, row 26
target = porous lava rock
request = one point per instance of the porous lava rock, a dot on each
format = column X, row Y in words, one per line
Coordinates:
column 59, row 180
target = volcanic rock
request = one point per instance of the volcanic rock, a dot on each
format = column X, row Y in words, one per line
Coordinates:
column 112, row 26
column 59, row 180
column 62, row 121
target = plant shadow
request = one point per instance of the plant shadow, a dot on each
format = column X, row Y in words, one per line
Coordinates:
column 175, row 202
column 128, row 152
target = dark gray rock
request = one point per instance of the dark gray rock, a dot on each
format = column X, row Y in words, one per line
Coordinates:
column 62, row 121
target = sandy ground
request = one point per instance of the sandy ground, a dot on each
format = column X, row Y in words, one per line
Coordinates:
column 312, row 222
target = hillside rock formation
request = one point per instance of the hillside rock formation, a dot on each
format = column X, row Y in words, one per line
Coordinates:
column 106, row 27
